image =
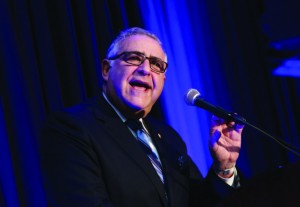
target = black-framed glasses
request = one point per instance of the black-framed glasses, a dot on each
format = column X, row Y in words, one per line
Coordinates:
column 137, row 58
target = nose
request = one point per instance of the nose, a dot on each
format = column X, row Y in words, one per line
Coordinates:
column 144, row 68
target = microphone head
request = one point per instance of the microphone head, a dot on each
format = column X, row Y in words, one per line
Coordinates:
column 190, row 96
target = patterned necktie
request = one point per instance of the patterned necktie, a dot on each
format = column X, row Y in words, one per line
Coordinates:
column 143, row 137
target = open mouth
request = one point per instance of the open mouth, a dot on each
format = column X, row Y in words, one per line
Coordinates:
column 140, row 84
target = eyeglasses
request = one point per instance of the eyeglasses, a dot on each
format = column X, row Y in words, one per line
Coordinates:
column 137, row 58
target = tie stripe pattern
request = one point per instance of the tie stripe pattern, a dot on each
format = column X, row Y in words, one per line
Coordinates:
column 143, row 137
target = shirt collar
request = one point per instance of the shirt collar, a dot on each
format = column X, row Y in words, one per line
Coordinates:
column 115, row 109
column 122, row 117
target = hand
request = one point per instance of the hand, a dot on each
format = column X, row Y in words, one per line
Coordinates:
column 224, row 143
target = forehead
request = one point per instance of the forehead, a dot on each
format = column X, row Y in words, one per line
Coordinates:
column 142, row 43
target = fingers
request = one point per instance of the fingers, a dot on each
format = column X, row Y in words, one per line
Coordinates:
column 217, row 121
column 238, row 127
column 235, row 126
column 214, row 138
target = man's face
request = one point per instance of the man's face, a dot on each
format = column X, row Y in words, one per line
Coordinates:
column 134, row 89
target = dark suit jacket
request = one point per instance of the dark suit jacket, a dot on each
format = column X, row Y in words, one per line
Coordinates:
column 90, row 158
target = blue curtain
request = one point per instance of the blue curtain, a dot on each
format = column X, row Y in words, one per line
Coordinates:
column 219, row 48
column 50, row 55
column 186, row 45
column 8, row 182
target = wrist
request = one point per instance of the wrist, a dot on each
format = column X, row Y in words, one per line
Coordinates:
column 224, row 173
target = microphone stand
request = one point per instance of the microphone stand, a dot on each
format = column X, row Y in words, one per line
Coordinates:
column 230, row 116
column 238, row 119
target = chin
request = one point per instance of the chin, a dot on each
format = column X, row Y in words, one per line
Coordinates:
column 137, row 103
column 138, row 106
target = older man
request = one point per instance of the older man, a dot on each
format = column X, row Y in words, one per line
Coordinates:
column 108, row 152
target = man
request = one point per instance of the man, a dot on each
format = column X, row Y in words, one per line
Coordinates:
column 91, row 154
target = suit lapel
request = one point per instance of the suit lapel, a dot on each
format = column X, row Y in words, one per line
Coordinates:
column 128, row 143
column 172, row 160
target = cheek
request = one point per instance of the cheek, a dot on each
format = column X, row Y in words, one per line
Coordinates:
column 115, row 84
column 159, row 85
column 161, row 81
column 117, row 78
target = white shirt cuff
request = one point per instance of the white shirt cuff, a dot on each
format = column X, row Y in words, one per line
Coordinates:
column 229, row 181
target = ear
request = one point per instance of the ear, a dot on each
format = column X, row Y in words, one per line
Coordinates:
column 105, row 66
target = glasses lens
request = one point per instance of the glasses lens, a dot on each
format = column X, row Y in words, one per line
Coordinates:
column 133, row 58
column 157, row 65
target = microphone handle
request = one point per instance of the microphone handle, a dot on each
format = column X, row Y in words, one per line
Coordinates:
column 219, row 112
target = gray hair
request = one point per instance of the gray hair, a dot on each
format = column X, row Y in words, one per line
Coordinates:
column 113, row 48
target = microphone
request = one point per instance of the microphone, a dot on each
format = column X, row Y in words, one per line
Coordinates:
column 194, row 98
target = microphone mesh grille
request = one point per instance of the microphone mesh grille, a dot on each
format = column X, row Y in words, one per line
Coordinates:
column 190, row 96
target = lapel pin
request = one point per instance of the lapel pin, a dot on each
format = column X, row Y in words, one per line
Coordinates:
column 181, row 161
column 159, row 136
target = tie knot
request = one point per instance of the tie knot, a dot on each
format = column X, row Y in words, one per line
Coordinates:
column 134, row 124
